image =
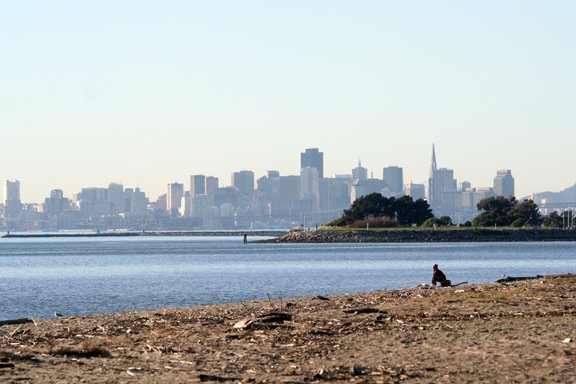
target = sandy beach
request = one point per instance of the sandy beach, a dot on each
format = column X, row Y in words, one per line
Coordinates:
column 514, row 332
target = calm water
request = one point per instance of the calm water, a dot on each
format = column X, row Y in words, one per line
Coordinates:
column 76, row 276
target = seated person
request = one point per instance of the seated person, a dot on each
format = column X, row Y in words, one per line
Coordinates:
column 439, row 277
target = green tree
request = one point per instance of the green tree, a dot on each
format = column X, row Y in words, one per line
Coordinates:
column 553, row 220
column 402, row 210
column 501, row 211
column 441, row 221
column 525, row 214
column 371, row 205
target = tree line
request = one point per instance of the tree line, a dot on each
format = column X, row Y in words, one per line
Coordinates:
column 377, row 211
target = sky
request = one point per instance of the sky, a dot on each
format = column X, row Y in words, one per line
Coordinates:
column 147, row 93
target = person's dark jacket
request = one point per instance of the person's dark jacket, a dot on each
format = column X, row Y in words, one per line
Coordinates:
column 438, row 277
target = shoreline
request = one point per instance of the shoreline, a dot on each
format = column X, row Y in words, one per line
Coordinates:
column 325, row 235
column 328, row 235
column 525, row 328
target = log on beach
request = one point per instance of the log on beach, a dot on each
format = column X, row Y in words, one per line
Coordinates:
column 15, row 321
column 518, row 278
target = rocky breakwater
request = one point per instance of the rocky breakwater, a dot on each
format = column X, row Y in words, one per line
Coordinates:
column 421, row 235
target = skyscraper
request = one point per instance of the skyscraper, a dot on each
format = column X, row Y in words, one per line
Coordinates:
column 504, row 183
column 313, row 158
column 197, row 185
column 116, row 197
column 211, row 185
column 13, row 205
column 415, row 191
column 394, row 178
column 309, row 188
column 443, row 196
column 174, row 198
column 244, row 182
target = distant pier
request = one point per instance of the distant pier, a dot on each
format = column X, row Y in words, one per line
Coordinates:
column 267, row 233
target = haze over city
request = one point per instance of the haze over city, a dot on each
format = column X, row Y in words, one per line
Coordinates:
column 145, row 94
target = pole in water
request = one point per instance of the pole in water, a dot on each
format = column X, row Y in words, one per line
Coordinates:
column 245, row 238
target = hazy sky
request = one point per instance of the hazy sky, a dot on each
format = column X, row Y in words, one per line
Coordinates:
column 145, row 93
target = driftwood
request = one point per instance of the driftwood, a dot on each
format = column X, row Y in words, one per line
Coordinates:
column 363, row 310
column 15, row 321
column 510, row 278
column 275, row 317
column 266, row 320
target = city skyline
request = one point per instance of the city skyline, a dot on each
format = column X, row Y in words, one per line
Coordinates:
column 147, row 94
column 273, row 200
column 185, row 182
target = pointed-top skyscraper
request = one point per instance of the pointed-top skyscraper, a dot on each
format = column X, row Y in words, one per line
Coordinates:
column 442, row 189
column 433, row 165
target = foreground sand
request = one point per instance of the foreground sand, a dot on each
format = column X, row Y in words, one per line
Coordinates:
column 518, row 332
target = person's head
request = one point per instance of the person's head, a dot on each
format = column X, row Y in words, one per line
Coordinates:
column 435, row 267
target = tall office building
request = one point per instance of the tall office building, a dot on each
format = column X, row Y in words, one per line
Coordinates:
column 174, row 198
column 55, row 203
column 415, row 191
column 309, row 189
column 94, row 202
column 138, row 202
column 243, row 181
column 394, row 178
column 12, row 190
column 197, row 185
column 116, row 197
column 443, row 197
column 211, row 185
column 289, row 193
column 504, row 183
column 366, row 187
column 202, row 192
column 313, row 158
column 13, row 205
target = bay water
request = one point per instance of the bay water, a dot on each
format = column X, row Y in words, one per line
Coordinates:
column 81, row 276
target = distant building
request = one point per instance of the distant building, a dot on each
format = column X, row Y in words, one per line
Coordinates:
column 334, row 195
column 415, row 191
column 116, row 197
column 94, row 202
column 12, row 203
column 197, row 185
column 56, row 203
column 366, row 187
column 267, row 194
column 394, row 178
column 504, row 183
column 139, row 202
column 174, row 196
column 359, row 173
column 288, row 195
column 212, row 185
column 185, row 205
column 309, row 189
column 443, row 196
column 313, row 158
column 243, row 181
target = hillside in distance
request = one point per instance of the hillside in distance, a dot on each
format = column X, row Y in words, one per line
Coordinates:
column 567, row 195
